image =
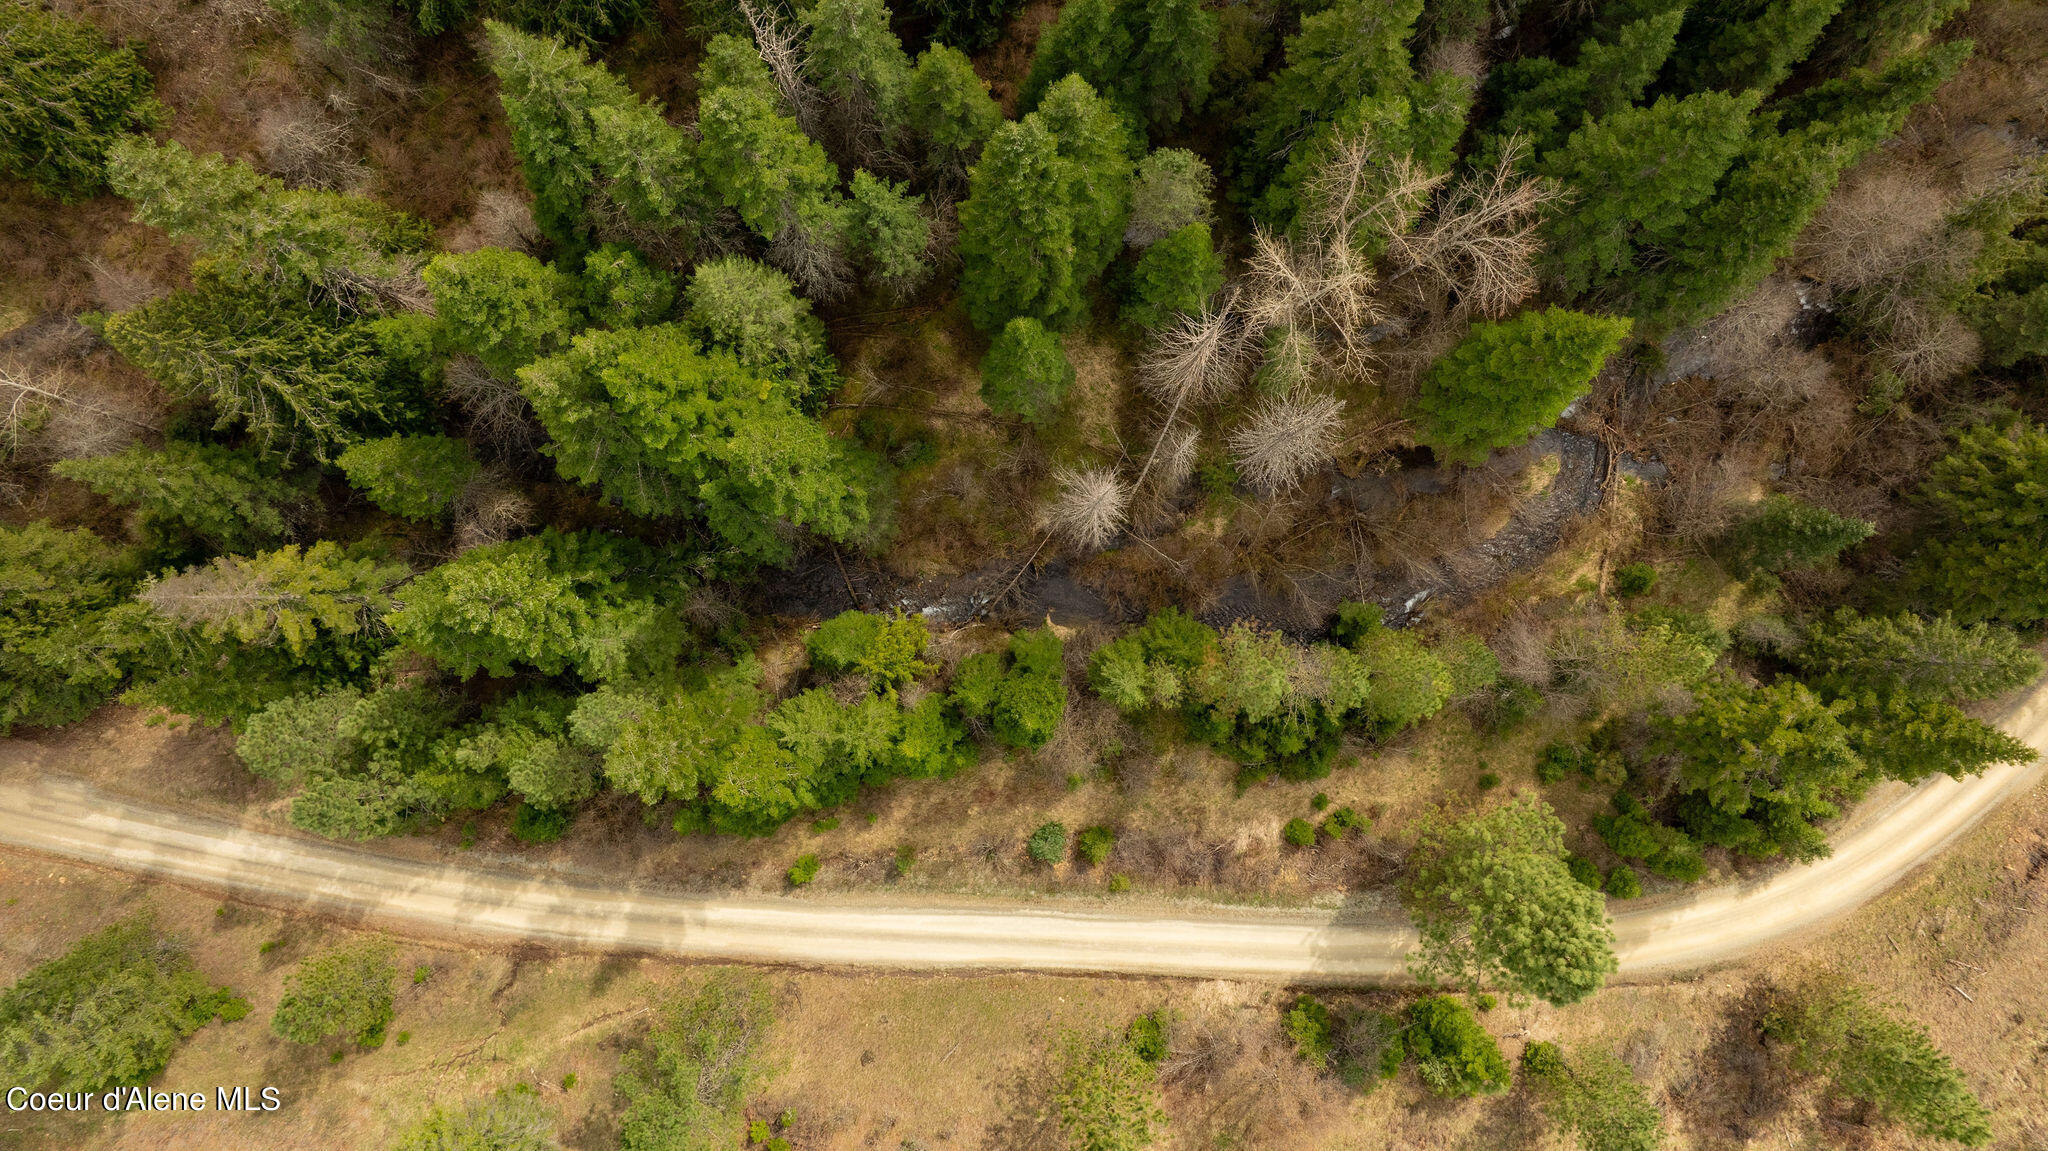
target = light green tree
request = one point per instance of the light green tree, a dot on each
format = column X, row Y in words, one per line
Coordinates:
column 345, row 990
column 297, row 598
column 1595, row 1097
column 1510, row 378
column 1026, row 372
column 418, row 477
column 505, row 308
column 948, row 107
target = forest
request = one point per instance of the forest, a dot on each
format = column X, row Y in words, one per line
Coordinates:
column 716, row 415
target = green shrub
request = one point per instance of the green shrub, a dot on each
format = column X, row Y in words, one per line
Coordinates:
column 1173, row 278
column 1094, row 844
column 1583, row 870
column 622, row 290
column 1299, row 832
column 1343, row 822
column 685, row 1086
column 1488, row 780
column 1634, row 579
column 1623, row 884
column 1320, row 801
column 346, row 990
column 803, row 870
column 887, row 649
column 536, row 825
column 1048, row 845
column 1558, row 760
column 1311, row 1028
column 1453, row 1054
column 1147, row 1036
column 514, row 1119
column 1025, row 699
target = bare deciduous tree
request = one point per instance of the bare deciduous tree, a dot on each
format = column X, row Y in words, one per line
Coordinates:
column 71, row 422
column 1090, row 509
column 1175, row 455
column 306, row 147
column 1476, row 252
column 815, row 258
column 490, row 510
column 781, row 46
column 1285, row 439
column 501, row 423
column 1871, row 228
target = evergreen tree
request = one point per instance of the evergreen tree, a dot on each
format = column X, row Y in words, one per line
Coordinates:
column 294, row 376
column 1510, row 378
column 1875, row 1055
column 888, row 234
column 1986, row 556
column 57, row 589
column 1929, row 658
column 345, row 990
column 1544, row 100
column 759, row 163
column 621, row 290
column 665, row 427
column 192, row 493
column 1785, row 532
column 1175, row 277
column 1868, row 30
column 1496, row 905
column 971, row 24
column 1172, row 189
column 1595, row 1097
column 299, row 599
column 1023, row 696
column 753, row 312
column 418, row 477
column 1454, row 1056
column 66, row 97
column 704, row 1057
column 662, row 741
column 1106, row 1094
column 1095, row 147
column 503, row 307
column 1638, row 178
column 526, row 743
column 948, row 107
column 1026, row 373
column 248, row 221
column 110, row 1012
column 854, row 58
column 1747, row 45
column 550, row 91
column 648, row 173
column 1907, row 737
column 1761, row 766
column 1152, row 59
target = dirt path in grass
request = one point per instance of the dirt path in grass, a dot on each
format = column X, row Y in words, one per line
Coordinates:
column 1899, row 829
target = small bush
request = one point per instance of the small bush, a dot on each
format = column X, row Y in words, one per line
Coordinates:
column 1119, row 882
column 1320, row 802
column 1559, row 760
column 422, row 973
column 829, row 823
column 1488, row 780
column 532, row 824
column 1147, row 1036
column 1634, row 579
column 1309, row 1026
column 1343, row 822
column 1299, row 832
column 1584, row 870
column 1048, row 845
column 803, row 870
column 1094, row 844
column 1622, row 883
column 906, row 858
column 1454, row 1055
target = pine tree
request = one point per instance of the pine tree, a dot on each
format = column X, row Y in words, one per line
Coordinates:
column 418, row 477
column 950, row 110
column 753, row 312
column 346, row 990
column 648, row 173
column 1545, row 101
column 1786, row 533
column 1751, row 45
column 1868, row 30
column 1986, row 556
column 1171, row 189
column 503, row 307
column 1876, row 1055
column 66, row 97
column 1906, row 737
column 1930, row 658
column 1175, row 277
column 1026, row 373
column 1017, row 254
column 1638, row 178
column 61, row 585
column 1152, row 59
column 1495, row 905
column 889, row 234
column 294, row 376
column 1760, row 766
column 1510, row 378
column 1094, row 146
column 854, row 58
column 622, row 290
column 756, row 158
column 248, row 221
column 549, row 91
column 192, row 493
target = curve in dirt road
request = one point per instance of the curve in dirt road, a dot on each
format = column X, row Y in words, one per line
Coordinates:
column 1891, row 835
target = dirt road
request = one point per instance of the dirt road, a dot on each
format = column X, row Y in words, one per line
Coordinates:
column 1893, row 833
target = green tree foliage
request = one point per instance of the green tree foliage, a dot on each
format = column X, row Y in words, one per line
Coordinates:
column 66, row 97
column 757, row 160
column 1409, row 682
column 1868, row 30
column 622, row 290
column 1022, row 695
column 345, row 990
column 1761, row 766
column 752, row 311
column 1045, row 210
column 554, row 602
column 854, row 58
column 1453, row 1054
column 886, row 649
column 1048, row 844
column 1785, row 533
column 665, row 428
column 505, row 308
column 1934, row 658
column 1496, row 905
column 511, row 1120
column 950, row 110
column 1835, row 1029
column 889, row 234
column 1984, row 556
column 971, row 24
column 1639, row 176
column 1907, row 737
column 1026, row 372
column 190, row 494
column 1171, row 190
column 1106, row 1094
column 1510, row 378
column 1595, row 1097
column 294, row 376
column 108, row 1013
column 1632, row 834
column 1174, row 277
column 247, row 221
column 413, row 476
column 299, row 599
column 669, row 741
column 525, row 741
column 58, row 588
column 1150, row 58
column 1752, row 44
column 683, row 1089
column 1545, row 100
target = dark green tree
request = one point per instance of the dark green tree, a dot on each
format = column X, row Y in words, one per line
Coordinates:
column 66, row 97
column 1173, row 278
column 1026, row 372
column 1867, row 30
column 1984, row 557
column 110, row 1012
column 1496, row 905
column 551, row 94
column 58, row 589
column 1785, row 533
column 1595, row 1097
column 971, row 24
column 888, row 235
column 1833, row 1028
column 1761, row 766
column 1509, row 379
column 1453, row 1054
column 758, row 162
column 193, row 495
column 345, row 990
column 1748, row 45
column 1934, row 658
column 860, row 67
column 1909, row 738
column 1150, row 58
column 949, row 109
column 1545, row 101
column 414, row 476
